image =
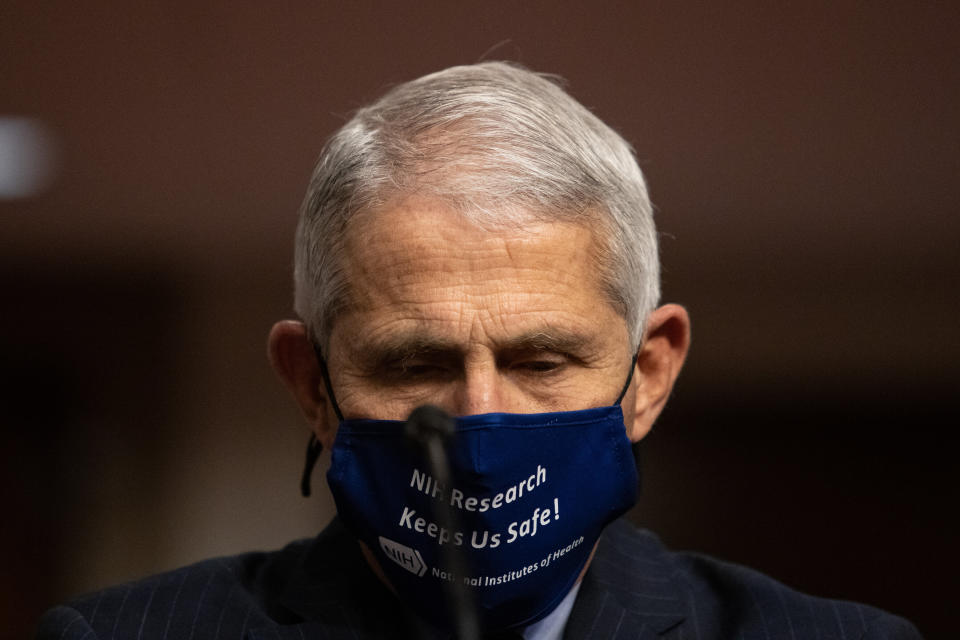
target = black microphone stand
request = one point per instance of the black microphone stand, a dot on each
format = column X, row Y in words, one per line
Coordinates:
column 430, row 428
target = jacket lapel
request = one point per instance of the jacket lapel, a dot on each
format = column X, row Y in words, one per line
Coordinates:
column 629, row 590
column 332, row 589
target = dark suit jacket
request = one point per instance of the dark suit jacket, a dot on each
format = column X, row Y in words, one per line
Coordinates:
column 323, row 589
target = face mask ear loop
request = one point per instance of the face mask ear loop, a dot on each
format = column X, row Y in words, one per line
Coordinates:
column 314, row 448
column 626, row 385
column 325, row 374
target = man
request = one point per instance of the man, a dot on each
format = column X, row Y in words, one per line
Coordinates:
column 475, row 244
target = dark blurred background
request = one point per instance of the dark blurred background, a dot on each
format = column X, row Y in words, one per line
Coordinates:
column 804, row 161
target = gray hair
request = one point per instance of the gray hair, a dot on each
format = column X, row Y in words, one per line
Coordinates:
column 503, row 146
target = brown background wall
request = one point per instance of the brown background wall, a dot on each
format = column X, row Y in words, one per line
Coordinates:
column 804, row 161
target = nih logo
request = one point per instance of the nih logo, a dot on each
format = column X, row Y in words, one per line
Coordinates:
column 409, row 559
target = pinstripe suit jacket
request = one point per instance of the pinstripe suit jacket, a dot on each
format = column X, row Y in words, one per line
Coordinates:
column 323, row 589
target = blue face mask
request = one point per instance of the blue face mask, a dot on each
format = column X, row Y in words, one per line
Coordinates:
column 531, row 494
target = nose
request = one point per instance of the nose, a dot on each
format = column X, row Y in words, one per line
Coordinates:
column 481, row 390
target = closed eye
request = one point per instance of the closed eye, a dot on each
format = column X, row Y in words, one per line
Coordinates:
column 411, row 360
column 421, row 370
column 417, row 370
column 540, row 366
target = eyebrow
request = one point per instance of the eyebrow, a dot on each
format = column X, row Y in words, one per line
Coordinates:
column 418, row 343
column 548, row 339
column 402, row 346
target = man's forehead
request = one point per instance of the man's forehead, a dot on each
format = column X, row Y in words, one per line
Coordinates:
column 420, row 275
column 426, row 242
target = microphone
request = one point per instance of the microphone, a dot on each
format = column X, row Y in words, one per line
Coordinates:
column 430, row 428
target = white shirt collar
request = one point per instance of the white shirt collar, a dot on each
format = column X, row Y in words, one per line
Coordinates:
column 551, row 627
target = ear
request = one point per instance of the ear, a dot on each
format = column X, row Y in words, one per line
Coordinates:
column 292, row 356
column 665, row 343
